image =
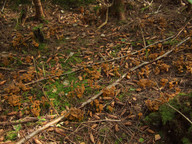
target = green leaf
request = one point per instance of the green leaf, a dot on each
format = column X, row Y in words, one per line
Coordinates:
column 190, row 1
column 141, row 140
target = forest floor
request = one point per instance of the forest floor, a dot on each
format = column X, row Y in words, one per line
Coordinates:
column 102, row 83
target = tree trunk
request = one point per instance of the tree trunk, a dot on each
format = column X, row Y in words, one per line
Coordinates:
column 39, row 10
column 119, row 8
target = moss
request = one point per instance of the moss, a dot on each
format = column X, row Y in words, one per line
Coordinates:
column 167, row 119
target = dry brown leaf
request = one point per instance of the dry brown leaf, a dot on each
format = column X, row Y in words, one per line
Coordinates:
column 80, row 78
column 157, row 137
column 1, row 138
column 96, row 117
column 146, row 83
column 1, row 76
column 107, row 98
column 12, row 113
column 123, row 112
column 3, row 82
column 94, row 126
column 116, row 128
column 36, row 141
column 128, row 123
column 163, row 82
column 60, row 131
column 150, row 131
column 112, row 116
column 140, row 115
column 110, row 108
column 131, row 116
column 48, row 60
column 113, row 103
column 92, row 138
column 138, row 89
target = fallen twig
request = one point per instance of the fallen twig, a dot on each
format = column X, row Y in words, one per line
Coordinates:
column 106, row 20
column 179, row 113
column 4, row 68
column 26, row 138
column 2, row 9
column 27, row 119
column 182, row 28
column 107, row 17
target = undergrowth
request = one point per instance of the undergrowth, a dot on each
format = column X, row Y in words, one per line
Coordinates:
column 170, row 122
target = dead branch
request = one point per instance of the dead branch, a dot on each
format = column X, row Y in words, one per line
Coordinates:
column 106, row 20
column 132, row 69
column 27, row 119
column 182, row 28
column 180, row 113
column 26, row 138
column 107, row 17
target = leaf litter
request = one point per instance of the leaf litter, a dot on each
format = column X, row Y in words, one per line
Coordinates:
column 112, row 77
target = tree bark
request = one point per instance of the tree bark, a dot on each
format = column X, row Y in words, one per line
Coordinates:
column 39, row 10
column 119, row 8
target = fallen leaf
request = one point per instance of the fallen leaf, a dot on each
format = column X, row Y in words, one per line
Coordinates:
column 128, row 123
column 60, row 131
column 112, row 116
column 150, row 131
column 2, row 82
column 92, row 138
column 96, row 117
column 138, row 89
column 36, row 141
column 116, row 128
column 80, row 78
column 12, row 113
column 157, row 137
column 94, row 126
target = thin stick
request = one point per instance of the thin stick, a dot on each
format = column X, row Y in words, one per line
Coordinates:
column 182, row 29
column 27, row 119
column 3, row 6
column 23, row 140
column 107, row 16
column 103, row 120
column 180, row 113
column 106, row 20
